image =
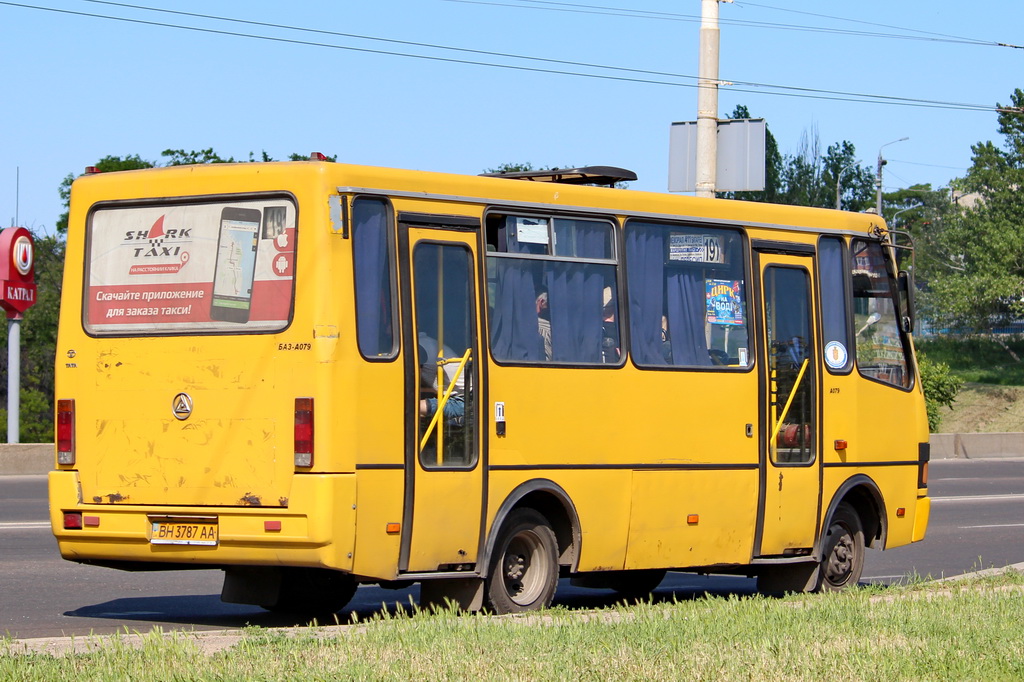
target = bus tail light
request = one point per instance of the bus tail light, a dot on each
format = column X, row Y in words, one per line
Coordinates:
column 72, row 520
column 303, row 432
column 65, row 432
column 924, row 454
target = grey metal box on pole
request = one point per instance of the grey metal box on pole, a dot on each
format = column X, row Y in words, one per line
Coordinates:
column 741, row 156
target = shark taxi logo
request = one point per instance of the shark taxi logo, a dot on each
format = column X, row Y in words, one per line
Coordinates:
column 158, row 250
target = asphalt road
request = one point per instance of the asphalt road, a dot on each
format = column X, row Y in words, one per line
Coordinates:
column 977, row 522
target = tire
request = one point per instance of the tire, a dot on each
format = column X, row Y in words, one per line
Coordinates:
column 842, row 561
column 523, row 573
column 842, row 558
column 312, row 592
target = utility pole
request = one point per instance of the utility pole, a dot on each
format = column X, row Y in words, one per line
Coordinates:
column 707, row 100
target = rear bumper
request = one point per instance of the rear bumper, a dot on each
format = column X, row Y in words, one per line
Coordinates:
column 921, row 515
column 317, row 529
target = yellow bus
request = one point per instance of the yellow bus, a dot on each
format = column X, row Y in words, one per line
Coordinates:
column 313, row 375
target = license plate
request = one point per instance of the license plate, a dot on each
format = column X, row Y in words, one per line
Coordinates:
column 184, row 532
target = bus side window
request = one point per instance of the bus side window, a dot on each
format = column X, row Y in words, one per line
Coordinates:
column 552, row 293
column 835, row 311
column 881, row 346
column 373, row 259
column 687, row 296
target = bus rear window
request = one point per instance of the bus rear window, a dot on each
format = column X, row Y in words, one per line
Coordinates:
column 180, row 268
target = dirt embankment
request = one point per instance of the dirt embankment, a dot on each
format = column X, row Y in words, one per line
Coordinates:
column 984, row 408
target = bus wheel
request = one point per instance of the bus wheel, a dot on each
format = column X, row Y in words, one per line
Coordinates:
column 524, row 569
column 312, row 592
column 842, row 559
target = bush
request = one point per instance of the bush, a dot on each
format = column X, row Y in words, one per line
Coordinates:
column 940, row 387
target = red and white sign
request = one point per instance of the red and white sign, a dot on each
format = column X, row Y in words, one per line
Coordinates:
column 17, row 271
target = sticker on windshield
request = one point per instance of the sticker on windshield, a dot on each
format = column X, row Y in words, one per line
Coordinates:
column 835, row 355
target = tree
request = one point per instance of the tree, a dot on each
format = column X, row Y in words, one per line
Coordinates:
column 511, row 168
column 975, row 265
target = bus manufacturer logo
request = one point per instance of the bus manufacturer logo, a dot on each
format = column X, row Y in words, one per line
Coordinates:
column 182, row 406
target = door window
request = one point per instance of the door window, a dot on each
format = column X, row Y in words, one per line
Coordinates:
column 445, row 336
column 788, row 328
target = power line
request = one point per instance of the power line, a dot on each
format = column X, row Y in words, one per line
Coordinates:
column 578, row 8
column 762, row 88
column 930, row 165
column 523, row 57
column 870, row 23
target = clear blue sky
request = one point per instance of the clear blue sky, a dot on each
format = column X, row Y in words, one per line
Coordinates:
column 76, row 88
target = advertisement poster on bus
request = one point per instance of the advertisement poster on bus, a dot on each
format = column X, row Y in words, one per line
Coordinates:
column 181, row 268
column 724, row 301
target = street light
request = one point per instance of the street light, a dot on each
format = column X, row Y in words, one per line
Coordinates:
column 897, row 213
column 839, row 180
column 878, row 177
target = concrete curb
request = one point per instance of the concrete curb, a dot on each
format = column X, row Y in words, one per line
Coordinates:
column 977, row 445
column 17, row 459
column 37, row 458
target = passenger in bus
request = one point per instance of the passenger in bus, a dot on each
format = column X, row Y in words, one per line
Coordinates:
column 610, row 348
column 666, row 343
column 544, row 322
column 455, row 407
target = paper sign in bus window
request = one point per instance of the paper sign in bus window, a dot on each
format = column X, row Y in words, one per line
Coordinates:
column 695, row 248
column 724, row 301
column 532, row 230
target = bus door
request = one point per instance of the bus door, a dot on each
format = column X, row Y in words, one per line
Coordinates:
column 789, row 459
column 443, row 511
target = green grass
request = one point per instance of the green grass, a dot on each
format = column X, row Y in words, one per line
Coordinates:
column 979, row 359
column 969, row 630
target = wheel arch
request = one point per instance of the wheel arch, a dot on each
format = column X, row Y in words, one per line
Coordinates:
column 863, row 494
column 551, row 501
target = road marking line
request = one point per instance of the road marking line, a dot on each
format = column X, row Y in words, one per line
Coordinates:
column 994, row 525
column 24, row 525
column 979, row 498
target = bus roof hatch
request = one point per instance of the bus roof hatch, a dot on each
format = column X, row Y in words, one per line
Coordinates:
column 586, row 175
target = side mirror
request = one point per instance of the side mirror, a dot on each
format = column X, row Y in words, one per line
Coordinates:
column 906, row 296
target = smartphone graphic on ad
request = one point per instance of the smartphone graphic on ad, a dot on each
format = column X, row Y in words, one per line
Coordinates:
column 236, row 264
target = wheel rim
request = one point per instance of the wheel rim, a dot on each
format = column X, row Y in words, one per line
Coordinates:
column 522, row 568
column 842, row 558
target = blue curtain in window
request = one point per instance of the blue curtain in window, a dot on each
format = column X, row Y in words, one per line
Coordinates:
column 514, row 334
column 687, row 312
column 373, row 278
column 575, row 293
column 833, row 291
column 645, row 258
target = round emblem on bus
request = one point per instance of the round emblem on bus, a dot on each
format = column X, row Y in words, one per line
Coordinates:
column 835, row 355
column 181, row 406
column 22, row 255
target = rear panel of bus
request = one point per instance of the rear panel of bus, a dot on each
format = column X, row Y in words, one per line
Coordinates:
column 188, row 375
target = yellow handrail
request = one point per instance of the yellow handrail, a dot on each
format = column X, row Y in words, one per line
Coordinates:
column 443, row 397
column 789, row 402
